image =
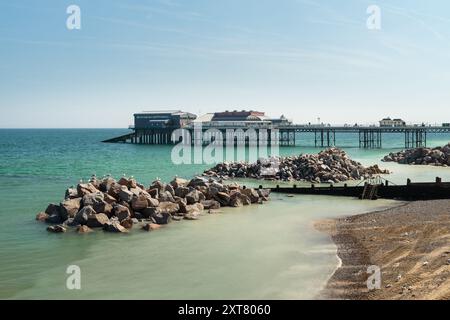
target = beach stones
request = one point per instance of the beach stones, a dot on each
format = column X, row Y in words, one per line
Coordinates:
column 168, row 207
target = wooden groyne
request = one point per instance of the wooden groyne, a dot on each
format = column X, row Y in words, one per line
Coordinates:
column 411, row 191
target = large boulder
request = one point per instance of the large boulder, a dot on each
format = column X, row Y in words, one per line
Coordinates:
column 168, row 207
column 103, row 207
column 140, row 202
column 157, row 184
column 56, row 229
column 161, row 218
column 70, row 223
column 114, row 190
column 121, row 212
column 211, row 204
column 98, row 220
column 106, row 184
column 109, row 199
column 86, row 188
column 237, row 199
column 54, row 218
column 178, row 182
column 153, row 192
column 82, row 216
column 123, row 182
column 127, row 223
column 196, row 208
column 223, row 198
column 170, row 189
column 197, row 182
column 194, row 196
column 132, row 184
column 91, row 199
column 236, row 202
column 152, row 202
column 252, row 194
column 125, row 194
column 115, row 227
column 263, row 193
column 182, row 191
column 69, row 208
column 148, row 212
column 166, row 196
column 71, row 193
column 53, row 210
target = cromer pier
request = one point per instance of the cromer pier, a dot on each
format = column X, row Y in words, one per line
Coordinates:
column 157, row 127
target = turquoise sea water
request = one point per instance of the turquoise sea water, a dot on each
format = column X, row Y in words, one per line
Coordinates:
column 268, row 251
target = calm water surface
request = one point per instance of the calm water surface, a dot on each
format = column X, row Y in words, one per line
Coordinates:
column 261, row 252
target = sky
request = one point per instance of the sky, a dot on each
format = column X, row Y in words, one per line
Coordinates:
column 309, row 60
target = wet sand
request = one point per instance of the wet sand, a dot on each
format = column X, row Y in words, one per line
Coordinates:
column 410, row 243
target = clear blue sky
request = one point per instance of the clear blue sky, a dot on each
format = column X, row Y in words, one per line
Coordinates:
column 302, row 58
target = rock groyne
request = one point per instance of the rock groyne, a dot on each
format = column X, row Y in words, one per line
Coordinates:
column 439, row 156
column 330, row 165
column 117, row 206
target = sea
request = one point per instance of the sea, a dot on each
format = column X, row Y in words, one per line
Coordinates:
column 269, row 251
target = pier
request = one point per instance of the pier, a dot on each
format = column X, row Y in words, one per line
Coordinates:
column 411, row 191
column 369, row 137
column 249, row 127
